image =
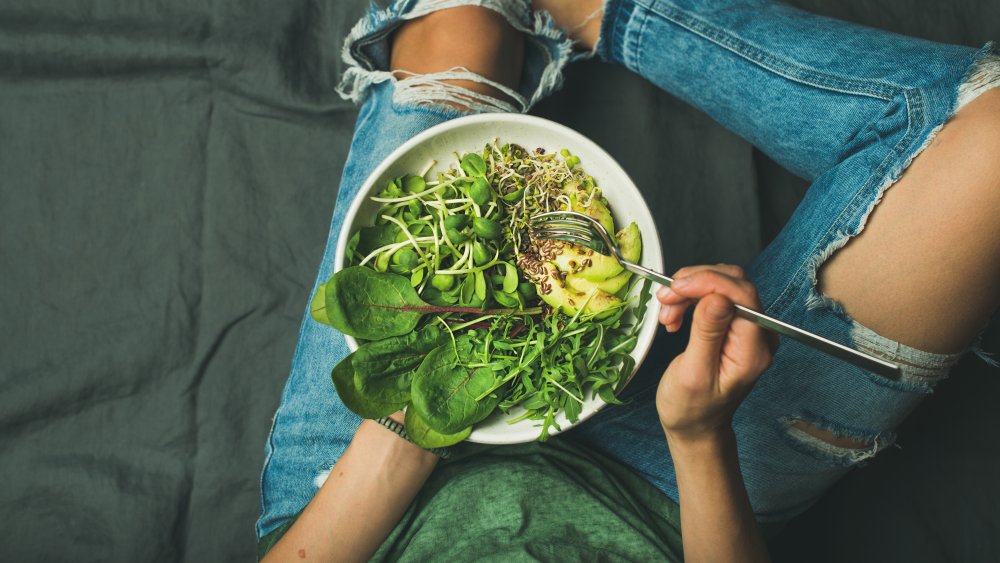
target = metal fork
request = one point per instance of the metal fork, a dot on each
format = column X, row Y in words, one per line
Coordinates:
column 577, row 228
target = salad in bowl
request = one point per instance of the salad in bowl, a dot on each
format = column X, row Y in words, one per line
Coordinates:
column 458, row 314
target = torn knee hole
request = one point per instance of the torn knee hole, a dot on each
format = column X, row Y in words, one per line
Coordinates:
column 834, row 443
column 457, row 88
column 828, row 436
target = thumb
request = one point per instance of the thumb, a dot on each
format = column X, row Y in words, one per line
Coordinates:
column 711, row 321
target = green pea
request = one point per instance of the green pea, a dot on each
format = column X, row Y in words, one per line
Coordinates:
column 486, row 228
column 456, row 221
column 480, row 191
column 406, row 257
column 456, row 236
column 443, row 283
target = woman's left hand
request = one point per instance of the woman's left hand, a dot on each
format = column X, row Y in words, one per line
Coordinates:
column 704, row 385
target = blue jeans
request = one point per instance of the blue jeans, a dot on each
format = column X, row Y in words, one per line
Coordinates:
column 845, row 106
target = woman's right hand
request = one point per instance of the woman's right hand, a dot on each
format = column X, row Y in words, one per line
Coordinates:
column 703, row 386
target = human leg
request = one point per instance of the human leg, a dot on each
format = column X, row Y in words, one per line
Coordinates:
column 312, row 427
column 849, row 108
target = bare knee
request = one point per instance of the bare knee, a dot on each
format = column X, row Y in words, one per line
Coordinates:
column 827, row 436
column 475, row 39
column 926, row 269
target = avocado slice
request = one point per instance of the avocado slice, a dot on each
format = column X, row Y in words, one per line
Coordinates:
column 596, row 207
column 599, row 268
column 554, row 291
column 612, row 285
column 630, row 242
column 602, row 268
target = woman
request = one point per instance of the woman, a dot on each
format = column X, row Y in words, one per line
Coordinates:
column 908, row 274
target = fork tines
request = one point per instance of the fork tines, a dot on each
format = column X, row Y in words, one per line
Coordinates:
column 568, row 226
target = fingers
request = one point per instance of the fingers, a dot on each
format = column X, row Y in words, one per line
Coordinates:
column 726, row 279
column 709, row 327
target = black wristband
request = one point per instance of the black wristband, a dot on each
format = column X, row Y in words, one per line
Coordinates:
column 401, row 432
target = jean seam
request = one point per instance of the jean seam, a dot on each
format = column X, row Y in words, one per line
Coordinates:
column 769, row 61
column 633, row 40
column 619, row 15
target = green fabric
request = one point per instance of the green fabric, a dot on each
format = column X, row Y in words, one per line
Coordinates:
column 533, row 502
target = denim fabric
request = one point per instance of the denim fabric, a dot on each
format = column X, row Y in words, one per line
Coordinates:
column 845, row 106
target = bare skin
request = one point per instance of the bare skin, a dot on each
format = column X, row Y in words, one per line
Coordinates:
column 364, row 496
column 696, row 399
column 581, row 19
column 925, row 271
column 429, row 44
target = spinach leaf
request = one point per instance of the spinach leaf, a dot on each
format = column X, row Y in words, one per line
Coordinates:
column 444, row 391
column 384, row 368
column 372, row 305
column 426, row 437
column 345, row 381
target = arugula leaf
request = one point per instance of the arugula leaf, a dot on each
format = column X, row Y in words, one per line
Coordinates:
column 444, row 390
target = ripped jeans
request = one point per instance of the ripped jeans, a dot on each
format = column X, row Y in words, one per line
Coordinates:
column 845, row 106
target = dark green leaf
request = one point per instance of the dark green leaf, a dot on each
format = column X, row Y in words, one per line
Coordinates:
column 444, row 391
column 366, row 407
column 384, row 368
column 371, row 305
column 426, row 437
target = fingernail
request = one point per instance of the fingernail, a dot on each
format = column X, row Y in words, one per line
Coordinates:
column 680, row 283
column 662, row 293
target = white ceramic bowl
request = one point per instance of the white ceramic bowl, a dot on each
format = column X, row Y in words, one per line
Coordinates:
column 471, row 133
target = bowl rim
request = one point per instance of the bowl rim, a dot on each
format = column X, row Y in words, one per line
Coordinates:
column 644, row 344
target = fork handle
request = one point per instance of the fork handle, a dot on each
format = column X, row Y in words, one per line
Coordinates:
column 860, row 359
